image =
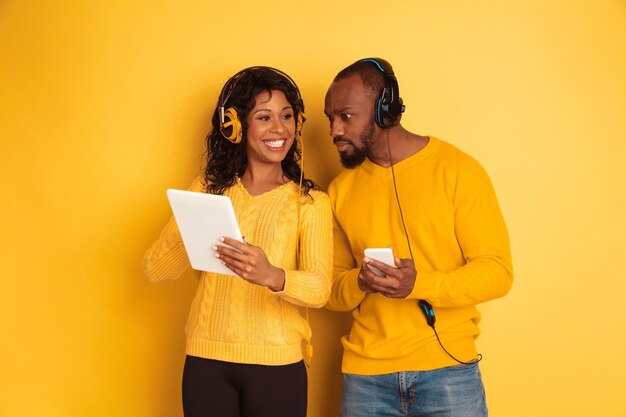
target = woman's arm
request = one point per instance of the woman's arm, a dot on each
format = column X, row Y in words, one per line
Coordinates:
column 167, row 259
column 309, row 286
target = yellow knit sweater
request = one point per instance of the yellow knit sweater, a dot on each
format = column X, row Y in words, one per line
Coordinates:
column 234, row 321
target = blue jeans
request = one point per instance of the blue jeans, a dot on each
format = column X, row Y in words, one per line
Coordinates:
column 455, row 391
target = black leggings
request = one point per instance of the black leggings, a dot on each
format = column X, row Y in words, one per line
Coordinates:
column 225, row 389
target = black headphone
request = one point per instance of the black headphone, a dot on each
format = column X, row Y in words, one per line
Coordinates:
column 388, row 108
column 230, row 125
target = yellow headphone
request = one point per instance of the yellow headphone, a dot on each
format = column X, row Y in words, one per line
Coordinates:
column 230, row 125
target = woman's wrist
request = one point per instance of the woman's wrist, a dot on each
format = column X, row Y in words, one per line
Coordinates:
column 277, row 282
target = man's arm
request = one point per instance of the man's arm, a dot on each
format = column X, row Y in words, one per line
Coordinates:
column 483, row 238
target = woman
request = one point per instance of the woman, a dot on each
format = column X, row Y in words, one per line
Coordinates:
column 245, row 334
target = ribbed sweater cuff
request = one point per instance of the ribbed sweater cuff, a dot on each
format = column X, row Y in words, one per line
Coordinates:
column 167, row 259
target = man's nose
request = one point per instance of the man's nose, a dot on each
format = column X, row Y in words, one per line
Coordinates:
column 336, row 128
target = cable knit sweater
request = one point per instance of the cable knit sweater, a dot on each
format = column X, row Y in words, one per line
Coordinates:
column 234, row 321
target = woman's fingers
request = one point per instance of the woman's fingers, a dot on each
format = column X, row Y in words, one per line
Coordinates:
column 238, row 257
column 234, row 243
column 230, row 252
column 248, row 261
column 240, row 268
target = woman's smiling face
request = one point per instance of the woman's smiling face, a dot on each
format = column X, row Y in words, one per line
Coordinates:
column 271, row 128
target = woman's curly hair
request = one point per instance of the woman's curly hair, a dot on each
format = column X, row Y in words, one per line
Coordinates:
column 226, row 160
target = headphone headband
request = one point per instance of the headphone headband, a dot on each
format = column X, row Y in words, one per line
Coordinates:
column 229, row 87
column 230, row 125
column 389, row 106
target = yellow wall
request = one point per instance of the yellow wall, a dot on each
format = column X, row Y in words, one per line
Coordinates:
column 104, row 105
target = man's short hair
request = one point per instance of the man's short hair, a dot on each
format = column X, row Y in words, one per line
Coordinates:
column 372, row 77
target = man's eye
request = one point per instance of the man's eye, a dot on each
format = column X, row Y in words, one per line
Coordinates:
column 345, row 116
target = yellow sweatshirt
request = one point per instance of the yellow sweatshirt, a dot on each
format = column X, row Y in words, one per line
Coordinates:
column 234, row 321
column 460, row 245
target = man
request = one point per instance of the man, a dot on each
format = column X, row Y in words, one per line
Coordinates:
column 411, row 347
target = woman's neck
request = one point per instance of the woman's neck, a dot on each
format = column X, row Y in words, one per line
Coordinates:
column 260, row 178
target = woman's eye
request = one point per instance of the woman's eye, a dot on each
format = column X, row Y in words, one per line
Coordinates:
column 287, row 116
column 264, row 118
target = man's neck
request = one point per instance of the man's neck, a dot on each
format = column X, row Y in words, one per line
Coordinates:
column 400, row 141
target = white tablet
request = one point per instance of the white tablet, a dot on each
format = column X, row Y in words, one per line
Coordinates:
column 202, row 219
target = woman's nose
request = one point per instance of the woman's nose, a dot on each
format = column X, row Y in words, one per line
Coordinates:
column 278, row 125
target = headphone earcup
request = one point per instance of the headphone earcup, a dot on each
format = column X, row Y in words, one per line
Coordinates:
column 388, row 107
column 388, row 110
column 231, row 128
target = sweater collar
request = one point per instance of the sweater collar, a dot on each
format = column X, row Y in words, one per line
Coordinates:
column 242, row 189
column 417, row 157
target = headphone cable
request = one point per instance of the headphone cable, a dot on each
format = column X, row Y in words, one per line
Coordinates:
column 395, row 189
column 424, row 305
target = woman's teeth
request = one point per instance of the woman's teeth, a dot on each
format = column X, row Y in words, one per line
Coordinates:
column 275, row 143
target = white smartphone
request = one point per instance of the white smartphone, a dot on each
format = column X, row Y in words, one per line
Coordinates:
column 384, row 255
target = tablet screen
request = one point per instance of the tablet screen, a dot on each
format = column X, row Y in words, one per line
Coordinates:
column 202, row 219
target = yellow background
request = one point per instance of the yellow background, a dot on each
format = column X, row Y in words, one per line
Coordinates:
column 105, row 104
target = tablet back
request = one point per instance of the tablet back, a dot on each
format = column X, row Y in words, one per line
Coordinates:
column 202, row 219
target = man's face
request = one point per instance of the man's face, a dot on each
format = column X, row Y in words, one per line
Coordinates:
column 349, row 107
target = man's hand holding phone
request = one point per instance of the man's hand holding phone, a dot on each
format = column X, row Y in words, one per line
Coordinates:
column 383, row 273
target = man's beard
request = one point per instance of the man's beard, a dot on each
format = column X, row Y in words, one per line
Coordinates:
column 358, row 155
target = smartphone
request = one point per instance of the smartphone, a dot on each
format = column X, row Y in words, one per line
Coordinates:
column 384, row 255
